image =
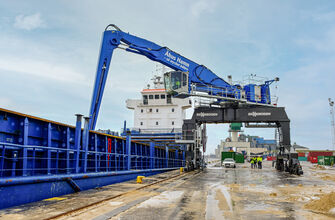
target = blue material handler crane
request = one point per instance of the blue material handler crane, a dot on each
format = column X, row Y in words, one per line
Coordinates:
column 188, row 78
column 249, row 103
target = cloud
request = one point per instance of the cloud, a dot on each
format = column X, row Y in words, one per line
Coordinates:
column 28, row 22
column 6, row 102
column 201, row 7
column 44, row 69
column 324, row 17
column 325, row 43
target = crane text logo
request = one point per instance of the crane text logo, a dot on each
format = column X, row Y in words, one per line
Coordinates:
column 255, row 114
column 170, row 55
column 176, row 61
column 203, row 114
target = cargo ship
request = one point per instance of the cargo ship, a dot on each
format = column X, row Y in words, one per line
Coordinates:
column 40, row 158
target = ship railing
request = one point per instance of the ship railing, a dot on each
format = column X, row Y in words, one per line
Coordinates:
column 211, row 93
column 155, row 131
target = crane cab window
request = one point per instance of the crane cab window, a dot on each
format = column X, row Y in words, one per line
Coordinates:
column 184, row 79
column 176, row 78
column 176, row 81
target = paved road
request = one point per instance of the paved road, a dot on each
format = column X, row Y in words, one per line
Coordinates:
column 215, row 193
column 240, row 193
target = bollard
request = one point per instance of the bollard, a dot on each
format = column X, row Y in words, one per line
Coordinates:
column 139, row 179
column 181, row 170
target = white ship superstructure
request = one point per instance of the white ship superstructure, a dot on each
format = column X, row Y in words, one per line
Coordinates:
column 157, row 111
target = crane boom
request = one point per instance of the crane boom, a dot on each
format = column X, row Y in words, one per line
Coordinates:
column 187, row 77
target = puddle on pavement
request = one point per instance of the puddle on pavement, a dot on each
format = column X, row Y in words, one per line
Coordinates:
column 219, row 202
column 164, row 199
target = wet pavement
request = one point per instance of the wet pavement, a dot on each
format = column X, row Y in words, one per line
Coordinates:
column 241, row 193
column 215, row 193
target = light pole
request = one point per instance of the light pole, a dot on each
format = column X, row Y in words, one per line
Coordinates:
column 331, row 104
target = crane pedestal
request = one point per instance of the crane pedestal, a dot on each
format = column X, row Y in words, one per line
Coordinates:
column 253, row 116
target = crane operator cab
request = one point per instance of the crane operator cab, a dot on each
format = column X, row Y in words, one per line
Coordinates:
column 176, row 82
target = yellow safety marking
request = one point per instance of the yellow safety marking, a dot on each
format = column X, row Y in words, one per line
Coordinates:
column 139, row 179
column 54, row 199
column 181, row 169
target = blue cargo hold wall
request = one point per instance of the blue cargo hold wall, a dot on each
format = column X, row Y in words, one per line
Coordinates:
column 35, row 150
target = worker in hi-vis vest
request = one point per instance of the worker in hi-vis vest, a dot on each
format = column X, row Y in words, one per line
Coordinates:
column 259, row 162
column 252, row 162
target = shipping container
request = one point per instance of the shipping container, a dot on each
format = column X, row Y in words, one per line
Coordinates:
column 332, row 160
column 327, row 160
column 226, row 154
column 313, row 159
column 301, row 154
column 321, row 160
column 320, row 153
column 302, row 158
column 239, row 158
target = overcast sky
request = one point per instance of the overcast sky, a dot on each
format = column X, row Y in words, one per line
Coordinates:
column 49, row 52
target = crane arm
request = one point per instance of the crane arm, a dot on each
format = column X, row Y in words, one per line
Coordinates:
column 116, row 38
column 194, row 77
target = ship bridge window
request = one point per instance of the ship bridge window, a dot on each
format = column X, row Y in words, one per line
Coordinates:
column 162, row 96
column 145, row 100
column 172, row 110
column 156, row 96
column 151, row 97
column 168, row 100
column 156, row 122
column 156, row 109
